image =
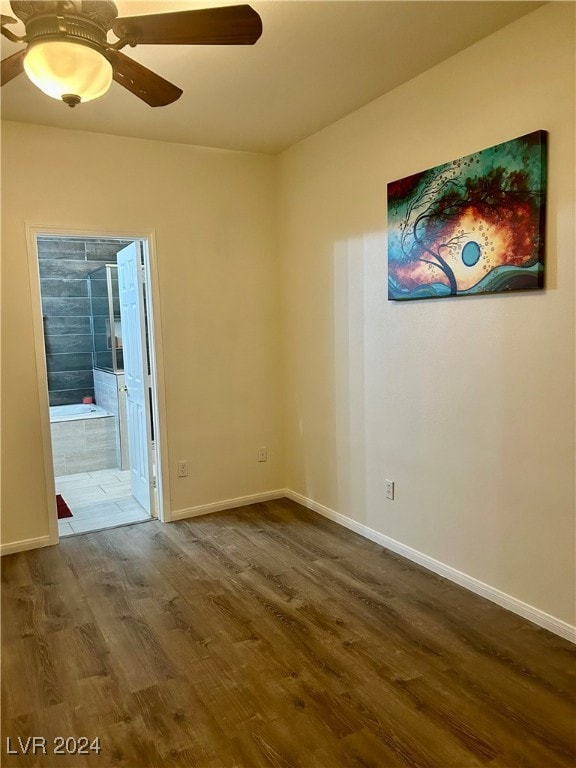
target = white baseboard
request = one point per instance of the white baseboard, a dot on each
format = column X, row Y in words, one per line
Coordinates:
column 22, row 546
column 220, row 506
column 535, row 615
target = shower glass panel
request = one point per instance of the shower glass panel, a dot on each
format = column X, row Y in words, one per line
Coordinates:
column 106, row 324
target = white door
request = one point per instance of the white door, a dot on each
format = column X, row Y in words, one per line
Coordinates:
column 131, row 291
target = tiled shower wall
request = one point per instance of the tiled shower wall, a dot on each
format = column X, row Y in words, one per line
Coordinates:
column 64, row 267
column 109, row 395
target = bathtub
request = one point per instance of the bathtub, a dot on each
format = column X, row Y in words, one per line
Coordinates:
column 76, row 411
column 84, row 438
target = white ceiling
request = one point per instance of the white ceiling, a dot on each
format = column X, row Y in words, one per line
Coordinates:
column 317, row 60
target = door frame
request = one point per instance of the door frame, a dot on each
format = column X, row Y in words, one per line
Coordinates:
column 156, row 358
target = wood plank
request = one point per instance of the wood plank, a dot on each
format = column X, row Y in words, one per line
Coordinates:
column 269, row 636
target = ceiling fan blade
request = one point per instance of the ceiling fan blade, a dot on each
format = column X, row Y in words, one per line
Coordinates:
column 229, row 25
column 12, row 66
column 6, row 20
column 142, row 82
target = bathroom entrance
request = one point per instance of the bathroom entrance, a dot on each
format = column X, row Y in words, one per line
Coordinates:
column 96, row 314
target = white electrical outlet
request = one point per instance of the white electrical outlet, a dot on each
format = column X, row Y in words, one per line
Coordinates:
column 389, row 489
column 182, row 469
column 263, row 454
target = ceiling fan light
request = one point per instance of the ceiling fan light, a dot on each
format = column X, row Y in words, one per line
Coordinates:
column 61, row 68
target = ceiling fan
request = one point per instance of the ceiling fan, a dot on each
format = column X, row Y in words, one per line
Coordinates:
column 69, row 57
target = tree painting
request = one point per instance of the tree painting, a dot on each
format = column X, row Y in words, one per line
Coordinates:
column 475, row 225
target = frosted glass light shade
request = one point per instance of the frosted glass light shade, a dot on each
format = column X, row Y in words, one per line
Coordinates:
column 60, row 68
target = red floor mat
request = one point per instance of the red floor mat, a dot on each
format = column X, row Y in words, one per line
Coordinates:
column 63, row 508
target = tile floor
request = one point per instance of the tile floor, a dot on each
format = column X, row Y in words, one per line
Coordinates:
column 100, row 499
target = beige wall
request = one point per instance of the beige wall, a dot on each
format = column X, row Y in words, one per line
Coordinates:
column 213, row 215
column 468, row 404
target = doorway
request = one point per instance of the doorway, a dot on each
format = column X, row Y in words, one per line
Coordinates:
column 100, row 379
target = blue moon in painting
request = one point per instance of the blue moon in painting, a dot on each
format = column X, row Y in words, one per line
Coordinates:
column 475, row 225
column 471, row 253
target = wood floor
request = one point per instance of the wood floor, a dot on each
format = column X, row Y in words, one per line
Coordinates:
column 269, row 636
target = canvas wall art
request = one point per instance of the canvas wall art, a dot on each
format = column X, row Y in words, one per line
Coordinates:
column 471, row 226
